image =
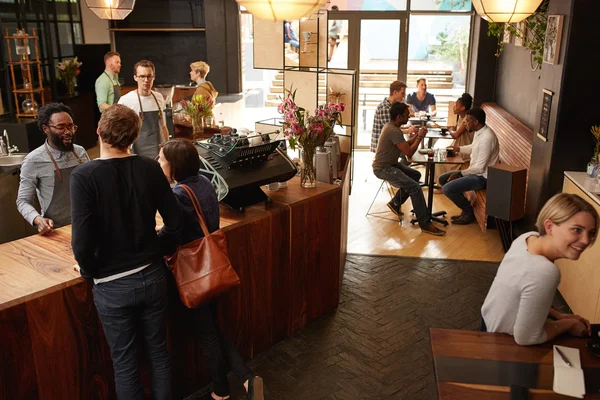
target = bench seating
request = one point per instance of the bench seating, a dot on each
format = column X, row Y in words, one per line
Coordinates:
column 516, row 141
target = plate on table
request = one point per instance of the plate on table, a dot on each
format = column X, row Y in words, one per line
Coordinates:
column 424, row 151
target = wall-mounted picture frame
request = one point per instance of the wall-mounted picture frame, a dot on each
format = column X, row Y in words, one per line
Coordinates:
column 553, row 37
column 545, row 116
column 521, row 28
column 507, row 35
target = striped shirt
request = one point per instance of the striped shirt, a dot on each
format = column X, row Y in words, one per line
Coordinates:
column 382, row 117
column 37, row 175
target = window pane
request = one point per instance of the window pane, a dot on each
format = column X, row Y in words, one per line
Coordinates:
column 370, row 5
column 65, row 39
column 438, row 50
column 78, row 34
column 338, row 43
column 441, row 5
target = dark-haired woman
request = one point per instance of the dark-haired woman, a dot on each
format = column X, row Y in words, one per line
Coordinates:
column 460, row 134
column 180, row 163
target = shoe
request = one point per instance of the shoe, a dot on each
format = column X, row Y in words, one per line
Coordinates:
column 455, row 217
column 395, row 209
column 433, row 230
column 465, row 219
column 255, row 388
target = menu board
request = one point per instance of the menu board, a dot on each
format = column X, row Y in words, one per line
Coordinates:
column 545, row 117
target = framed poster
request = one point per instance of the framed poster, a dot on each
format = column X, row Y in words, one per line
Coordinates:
column 552, row 41
column 545, row 117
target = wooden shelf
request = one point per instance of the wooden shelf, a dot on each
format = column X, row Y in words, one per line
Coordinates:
column 26, row 115
column 23, row 62
column 157, row 29
column 36, row 90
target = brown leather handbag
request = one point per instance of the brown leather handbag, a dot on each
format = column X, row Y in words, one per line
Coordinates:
column 201, row 267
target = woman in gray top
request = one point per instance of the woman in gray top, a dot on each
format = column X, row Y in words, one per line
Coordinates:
column 520, row 299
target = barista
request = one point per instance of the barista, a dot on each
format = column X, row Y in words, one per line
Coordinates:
column 149, row 105
column 108, row 90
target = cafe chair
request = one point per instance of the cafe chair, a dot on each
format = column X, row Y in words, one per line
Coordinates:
column 382, row 214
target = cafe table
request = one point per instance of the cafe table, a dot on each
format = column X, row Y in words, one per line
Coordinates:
column 473, row 365
column 430, row 164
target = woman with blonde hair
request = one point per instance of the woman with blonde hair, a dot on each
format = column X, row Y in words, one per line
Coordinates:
column 198, row 72
column 520, row 298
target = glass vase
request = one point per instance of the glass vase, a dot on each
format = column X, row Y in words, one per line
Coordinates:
column 197, row 127
column 70, row 86
column 308, row 173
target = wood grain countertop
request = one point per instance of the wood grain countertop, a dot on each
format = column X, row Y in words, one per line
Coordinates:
column 38, row 265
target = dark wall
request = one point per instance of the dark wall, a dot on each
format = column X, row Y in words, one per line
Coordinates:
column 482, row 79
column 517, row 86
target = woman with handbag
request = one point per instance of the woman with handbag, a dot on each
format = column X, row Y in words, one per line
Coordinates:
column 180, row 163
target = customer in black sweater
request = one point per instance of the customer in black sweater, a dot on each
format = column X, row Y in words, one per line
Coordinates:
column 180, row 163
column 114, row 200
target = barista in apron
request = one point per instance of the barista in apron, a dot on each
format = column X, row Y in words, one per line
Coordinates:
column 59, row 210
column 150, row 137
column 116, row 89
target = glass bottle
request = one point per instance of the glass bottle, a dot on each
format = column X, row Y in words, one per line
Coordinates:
column 592, row 167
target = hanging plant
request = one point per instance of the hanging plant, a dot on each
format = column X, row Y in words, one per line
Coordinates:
column 532, row 34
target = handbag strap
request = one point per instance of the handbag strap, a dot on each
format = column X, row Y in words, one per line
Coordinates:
column 198, row 209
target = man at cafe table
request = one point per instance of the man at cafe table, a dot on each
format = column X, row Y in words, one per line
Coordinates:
column 484, row 151
column 386, row 166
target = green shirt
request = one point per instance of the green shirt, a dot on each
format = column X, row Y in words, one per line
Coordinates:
column 105, row 93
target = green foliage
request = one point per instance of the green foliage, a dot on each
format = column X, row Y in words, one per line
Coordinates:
column 454, row 3
column 533, row 35
column 453, row 47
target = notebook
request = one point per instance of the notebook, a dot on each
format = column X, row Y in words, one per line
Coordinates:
column 568, row 380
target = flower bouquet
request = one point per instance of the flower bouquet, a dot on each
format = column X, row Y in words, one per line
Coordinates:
column 308, row 131
column 199, row 110
column 67, row 71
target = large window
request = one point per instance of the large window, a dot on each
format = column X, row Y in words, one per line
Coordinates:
column 400, row 5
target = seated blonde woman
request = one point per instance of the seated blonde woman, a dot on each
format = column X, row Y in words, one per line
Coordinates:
column 519, row 302
column 460, row 134
column 198, row 72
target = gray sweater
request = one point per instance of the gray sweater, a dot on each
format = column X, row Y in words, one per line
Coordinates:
column 521, row 295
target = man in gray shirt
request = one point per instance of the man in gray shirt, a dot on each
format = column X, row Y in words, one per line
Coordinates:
column 386, row 166
column 47, row 170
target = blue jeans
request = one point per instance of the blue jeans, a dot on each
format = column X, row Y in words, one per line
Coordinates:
column 407, row 179
column 131, row 308
column 454, row 190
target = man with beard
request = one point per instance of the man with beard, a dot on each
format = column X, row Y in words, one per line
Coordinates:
column 108, row 90
column 149, row 105
column 47, row 170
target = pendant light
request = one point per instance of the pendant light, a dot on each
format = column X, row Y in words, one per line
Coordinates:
column 282, row 10
column 111, row 9
column 505, row 10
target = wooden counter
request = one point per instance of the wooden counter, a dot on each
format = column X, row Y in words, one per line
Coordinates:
column 289, row 256
column 580, row 280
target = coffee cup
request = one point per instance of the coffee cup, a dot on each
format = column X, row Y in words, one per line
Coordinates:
column 450, row 151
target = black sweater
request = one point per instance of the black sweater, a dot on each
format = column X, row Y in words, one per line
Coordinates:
column 113, row 211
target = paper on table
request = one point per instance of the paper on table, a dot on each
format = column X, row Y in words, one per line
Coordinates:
column 76, row 268
column 568, row 380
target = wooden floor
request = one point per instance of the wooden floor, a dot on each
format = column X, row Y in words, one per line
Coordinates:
column 377, row 236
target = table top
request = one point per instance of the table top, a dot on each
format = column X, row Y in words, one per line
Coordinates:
column 419, row 158
column 477, row 365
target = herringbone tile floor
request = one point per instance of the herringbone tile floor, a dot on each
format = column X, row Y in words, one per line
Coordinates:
column 376, row 344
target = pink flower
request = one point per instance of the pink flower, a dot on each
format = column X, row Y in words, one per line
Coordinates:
column 281, row 108
column 317, row 128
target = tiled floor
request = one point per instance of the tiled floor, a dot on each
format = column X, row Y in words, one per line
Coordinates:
column 376, row 344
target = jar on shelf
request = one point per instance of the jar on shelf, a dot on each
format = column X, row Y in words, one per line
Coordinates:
column 592, row 167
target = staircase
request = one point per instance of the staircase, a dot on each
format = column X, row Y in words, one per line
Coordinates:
column 374, row 87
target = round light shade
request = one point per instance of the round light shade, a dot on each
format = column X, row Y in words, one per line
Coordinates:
column 505, row 10
column 111, row 9
column 282, row 10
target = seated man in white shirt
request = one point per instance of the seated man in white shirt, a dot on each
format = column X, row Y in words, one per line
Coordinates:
column 484, row 151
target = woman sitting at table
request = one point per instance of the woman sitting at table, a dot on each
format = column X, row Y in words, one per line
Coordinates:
column 179, row 161
column 460, row 134
column 520, row 299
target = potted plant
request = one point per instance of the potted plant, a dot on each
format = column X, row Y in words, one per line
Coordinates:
column 199, row 110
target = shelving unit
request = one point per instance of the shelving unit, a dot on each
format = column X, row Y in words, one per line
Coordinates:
column 28, row 88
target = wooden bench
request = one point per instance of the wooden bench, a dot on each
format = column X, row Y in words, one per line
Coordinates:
column 516, row 141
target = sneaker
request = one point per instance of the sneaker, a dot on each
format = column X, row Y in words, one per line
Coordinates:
column 465, row 219
column 395, row 209
column 433, row 230
column 455, row 217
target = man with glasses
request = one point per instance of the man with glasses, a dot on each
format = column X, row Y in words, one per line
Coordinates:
column 149, row 105
column 47, row 170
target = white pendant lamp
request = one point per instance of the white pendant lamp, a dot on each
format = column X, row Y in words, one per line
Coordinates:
column 111, row 9
column 506, row 10
column 281, row 10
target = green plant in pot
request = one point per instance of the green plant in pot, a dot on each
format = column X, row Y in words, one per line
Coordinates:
column 533, row 36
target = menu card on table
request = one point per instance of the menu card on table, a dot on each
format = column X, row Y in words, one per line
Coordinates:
column 568, row 380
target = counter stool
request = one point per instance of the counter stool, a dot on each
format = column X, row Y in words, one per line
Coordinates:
column 378, row 214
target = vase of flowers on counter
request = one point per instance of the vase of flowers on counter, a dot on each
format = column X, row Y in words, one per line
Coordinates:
column 67, row 71
column 198, row 110
column 308, row 131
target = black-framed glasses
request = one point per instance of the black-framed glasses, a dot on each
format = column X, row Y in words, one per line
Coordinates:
column 65, row 127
